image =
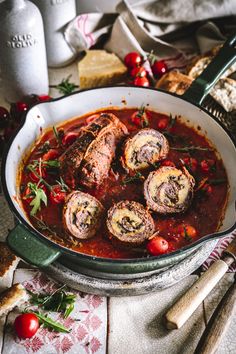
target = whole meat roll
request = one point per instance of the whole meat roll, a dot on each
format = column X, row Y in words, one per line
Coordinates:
column 129, row 222
column 169, row 190
column 87, row 161
column 82, row 215
column 144, row 149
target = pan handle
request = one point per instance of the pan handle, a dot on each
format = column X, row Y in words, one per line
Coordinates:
column 28, row 247
column 222, row 61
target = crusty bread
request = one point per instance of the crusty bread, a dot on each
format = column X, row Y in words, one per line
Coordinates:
column 197, row 66
column 175, row 82
column 8, row 262
column 224, row 92
column 100, row 68
column 12, row 297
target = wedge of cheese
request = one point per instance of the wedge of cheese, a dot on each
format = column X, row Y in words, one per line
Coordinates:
column 100, row 68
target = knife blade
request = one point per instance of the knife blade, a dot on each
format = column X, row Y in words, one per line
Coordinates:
column 180, row 312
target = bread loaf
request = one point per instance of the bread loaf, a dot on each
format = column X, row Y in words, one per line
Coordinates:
column 8, row 262
column 12, row 297
column 175, row 82
column 100, row 68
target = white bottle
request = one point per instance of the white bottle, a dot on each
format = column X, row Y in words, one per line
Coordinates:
column 56, row 15
column 23, row 62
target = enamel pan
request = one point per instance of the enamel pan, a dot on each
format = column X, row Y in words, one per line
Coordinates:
column 34, row 247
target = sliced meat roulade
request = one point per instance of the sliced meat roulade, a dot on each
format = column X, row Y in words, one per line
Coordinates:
column 144, row 149
column 169, row 190
column 82, row 215
column 87, row 161
column 130, row 222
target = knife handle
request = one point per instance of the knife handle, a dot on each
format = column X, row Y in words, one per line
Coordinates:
column 180, row 312
column 219, row 323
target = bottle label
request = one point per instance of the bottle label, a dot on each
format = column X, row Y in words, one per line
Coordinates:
column 58, row 2
column 21, row 41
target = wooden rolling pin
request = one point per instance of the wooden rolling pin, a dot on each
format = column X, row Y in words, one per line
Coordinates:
column 180, row 312
column 219, row 323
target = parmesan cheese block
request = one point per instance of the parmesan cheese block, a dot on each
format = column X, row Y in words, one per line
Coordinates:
column 100, row 68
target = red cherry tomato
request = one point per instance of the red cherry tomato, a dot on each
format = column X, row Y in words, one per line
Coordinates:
column 57, row 195
column 168, row 163
column 34, row 178
column 159, row 68
column 141, row 81
column 138, row 72
column 52, row 154
column 141, row 118
column 207, row 165
column 26, row 325
column 187, row 231
column 69, row 138
column 191, row 163
column 91, row 118
column 132, row 60
column 157, row 245
column 162, row 123
column 44, row 98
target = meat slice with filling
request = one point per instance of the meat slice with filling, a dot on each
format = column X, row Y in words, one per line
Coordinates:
column 87, row 161
column 130, row 223
column 82, row 215
column 144, row 149
column 169, row 190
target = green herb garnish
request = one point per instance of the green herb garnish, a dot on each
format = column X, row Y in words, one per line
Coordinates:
column 58, row 301
column 50, row 323
column 65, row 86
column 190, row 148
column 38, row 195
column 130, row 179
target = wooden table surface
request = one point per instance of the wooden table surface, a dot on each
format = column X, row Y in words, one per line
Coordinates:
column 135, row 322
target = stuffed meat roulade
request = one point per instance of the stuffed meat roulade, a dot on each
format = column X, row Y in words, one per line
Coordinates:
column 82, row 215
column 130, row 223
column 87, row 161
column 169, row 190
column 145, row 148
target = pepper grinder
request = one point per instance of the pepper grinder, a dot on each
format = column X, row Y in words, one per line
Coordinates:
column 56, row 15
column 23, row 61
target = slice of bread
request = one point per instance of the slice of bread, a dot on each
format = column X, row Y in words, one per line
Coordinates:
column 224, row 92
column 8, row 263
column 12, row 297
column 100, row 68
column 174, row 81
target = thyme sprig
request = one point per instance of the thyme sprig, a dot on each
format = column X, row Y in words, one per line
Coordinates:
column 191, row 148
column 131, row 179
column 65, row 86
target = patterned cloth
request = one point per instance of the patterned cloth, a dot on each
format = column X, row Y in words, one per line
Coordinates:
column 87, row 322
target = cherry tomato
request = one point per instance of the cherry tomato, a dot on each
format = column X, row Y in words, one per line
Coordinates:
column 26, row 325
column 57, row 195
column 34, row 178
column 69, row 138
column 141, row 118
column 191, row 163
column 141, row 81
column 187, row 231
column 157, row 245
column 52, row 154
column 159, row 68
column 43, row 98
column 132, row 60
column 162, row 123
column 168, row 163
column 91, row 118
column 207, row 165
column 138, row 72
column 4, row 117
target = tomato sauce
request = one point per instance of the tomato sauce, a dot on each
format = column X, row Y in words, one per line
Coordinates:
column 204, row 214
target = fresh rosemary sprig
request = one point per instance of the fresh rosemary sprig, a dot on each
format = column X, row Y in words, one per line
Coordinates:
column 190, row 148
column 65, row 86
column 130, row 179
